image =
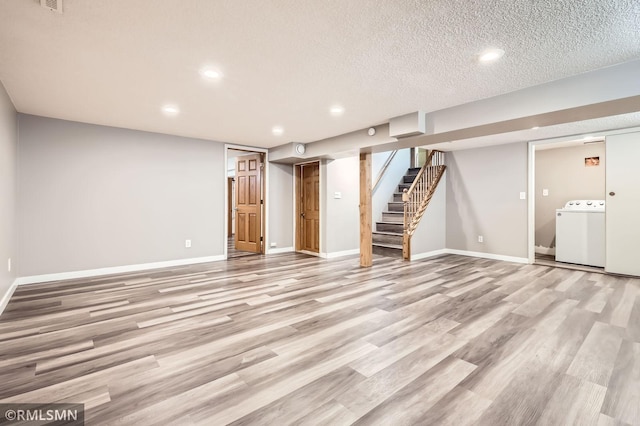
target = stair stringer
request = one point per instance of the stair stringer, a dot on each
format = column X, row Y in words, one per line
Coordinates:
column 429, row 235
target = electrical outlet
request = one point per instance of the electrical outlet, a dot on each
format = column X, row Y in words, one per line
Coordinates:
column 9, row 265
column 480, row 239
column 273, row 245
column 545, row 192
column 187, row 243
column 523, row 195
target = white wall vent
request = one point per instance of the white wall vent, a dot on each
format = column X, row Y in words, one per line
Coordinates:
column 52, row 5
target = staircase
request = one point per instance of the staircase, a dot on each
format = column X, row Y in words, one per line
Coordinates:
column 392, row 236
column 387, row 238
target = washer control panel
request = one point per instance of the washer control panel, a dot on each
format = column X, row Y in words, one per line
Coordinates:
column 585, row 205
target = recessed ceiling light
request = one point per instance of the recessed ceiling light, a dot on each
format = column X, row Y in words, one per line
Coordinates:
column 171, row 110
column 277, row 130
column 490, row 55
column 210, row 74
column 336, row 110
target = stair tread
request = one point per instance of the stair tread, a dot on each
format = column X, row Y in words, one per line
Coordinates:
column 389, row 223
column 393, row 234
column 392, row 212
column 391, row 246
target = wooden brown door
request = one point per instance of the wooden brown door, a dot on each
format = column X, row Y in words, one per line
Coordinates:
column 248, row 184
column 309, row 207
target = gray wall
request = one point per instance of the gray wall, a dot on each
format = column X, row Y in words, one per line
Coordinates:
column 389, row 183
column 280, row 205
column 563, row 173
column 8, row 142
column 431, row 235
column 341, row 225
column 93, row 196
column 483, row 199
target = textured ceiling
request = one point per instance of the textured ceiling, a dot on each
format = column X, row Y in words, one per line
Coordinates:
column 285, row 62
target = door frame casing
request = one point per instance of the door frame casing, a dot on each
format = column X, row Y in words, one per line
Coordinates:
column 230, row 188
column 297, row 188
column 265, row 191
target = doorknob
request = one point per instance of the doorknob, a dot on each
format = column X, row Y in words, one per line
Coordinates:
column 612, row 193
column 302, row 215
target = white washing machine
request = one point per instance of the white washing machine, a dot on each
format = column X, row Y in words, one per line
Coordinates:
column 580, row 229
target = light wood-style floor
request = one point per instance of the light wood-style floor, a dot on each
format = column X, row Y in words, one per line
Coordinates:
column 232, row 253
column 292, row 339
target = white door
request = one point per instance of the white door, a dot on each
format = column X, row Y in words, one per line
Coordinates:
column 623, row 204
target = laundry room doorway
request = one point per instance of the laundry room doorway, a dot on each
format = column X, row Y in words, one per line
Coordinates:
column 569, row 201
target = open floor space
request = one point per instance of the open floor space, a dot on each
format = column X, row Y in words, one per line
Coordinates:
column 295, row 339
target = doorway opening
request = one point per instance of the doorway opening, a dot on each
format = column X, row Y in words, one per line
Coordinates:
column 567, row 203
column 246, row 201
column 307, row 204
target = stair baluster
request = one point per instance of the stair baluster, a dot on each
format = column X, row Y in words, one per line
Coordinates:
column 417, row 197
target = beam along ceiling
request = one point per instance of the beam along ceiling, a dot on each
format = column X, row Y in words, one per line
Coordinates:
column 287, row 63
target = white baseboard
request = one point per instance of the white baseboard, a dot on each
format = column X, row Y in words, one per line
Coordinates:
column 280, row 250
column 429, row 254
column 115, row 270
column 340, row 253
column 546, row 250
column 488, row 256
column 7, row 296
